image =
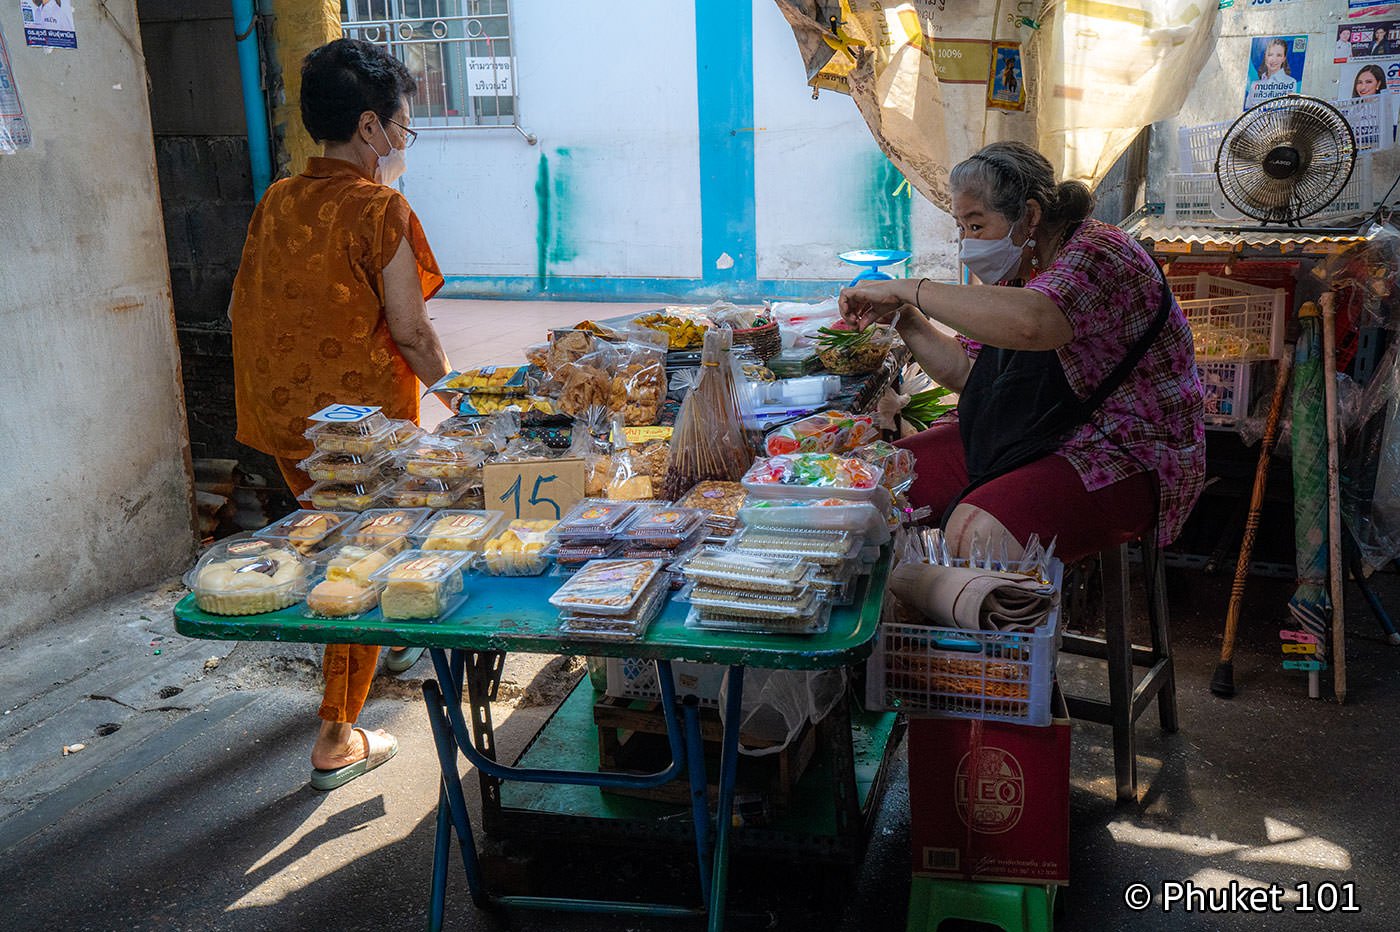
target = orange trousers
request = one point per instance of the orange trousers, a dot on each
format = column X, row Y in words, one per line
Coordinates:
column 348, row 669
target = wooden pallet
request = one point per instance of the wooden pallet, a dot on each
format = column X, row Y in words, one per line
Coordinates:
column 632, row 737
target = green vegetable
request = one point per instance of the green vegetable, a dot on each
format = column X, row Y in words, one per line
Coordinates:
column 844, row 339
column 926, row 407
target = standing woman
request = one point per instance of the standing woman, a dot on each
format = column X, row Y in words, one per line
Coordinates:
column 1080, row 413
column 328, row 306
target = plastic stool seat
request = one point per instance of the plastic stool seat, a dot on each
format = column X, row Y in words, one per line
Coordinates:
column 1014, row 907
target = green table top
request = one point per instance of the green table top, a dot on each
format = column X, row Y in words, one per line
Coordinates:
column 514, row 614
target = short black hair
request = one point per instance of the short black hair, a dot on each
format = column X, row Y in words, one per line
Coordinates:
column 342, row 79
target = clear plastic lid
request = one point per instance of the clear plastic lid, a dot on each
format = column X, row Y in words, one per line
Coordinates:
column 720, row 600
column 424, row 492
column 826, row 514
column 826, row 548
column 344, row 467
column 422, row 566
column 813, row 471
column 739, row 570
column 896, row 464
column 380, row 526
column 630, row 626
column 607, row 587
column 248, row 576
column 703, row 619
column 401, row 434
column 594, row 519
column 519, row 548
column 443, row 458
column 421, row 585
column 351, row 496
column 660, row 522
column 458, row 530
column 663, row 549
column 358, row 562
column 363, row 437
column 721, row 499
column 304, row 529
column 570, row 554
column 341, row 598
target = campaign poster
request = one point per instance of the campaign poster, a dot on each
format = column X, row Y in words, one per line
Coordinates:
column 1367, row 77
column 1367, row 40
column 14, row 128
column 48, row 23
column 1275, row 68
column 1006, row 88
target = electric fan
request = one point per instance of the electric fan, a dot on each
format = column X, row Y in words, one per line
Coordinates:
column 1286, row 159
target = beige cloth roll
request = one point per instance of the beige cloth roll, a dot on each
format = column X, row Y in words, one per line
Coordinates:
column 976, row 600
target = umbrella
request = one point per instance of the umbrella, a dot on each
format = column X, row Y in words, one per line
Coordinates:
column 1310, row 604
column 935, row 82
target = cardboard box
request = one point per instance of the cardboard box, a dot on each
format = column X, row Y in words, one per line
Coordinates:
column 990, row 800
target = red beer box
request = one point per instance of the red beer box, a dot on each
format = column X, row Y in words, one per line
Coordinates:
column 990, row 800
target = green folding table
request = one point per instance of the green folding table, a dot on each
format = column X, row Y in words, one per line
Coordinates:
column 503, row 614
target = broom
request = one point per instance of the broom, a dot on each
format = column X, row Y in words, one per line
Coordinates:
column 1223, row 682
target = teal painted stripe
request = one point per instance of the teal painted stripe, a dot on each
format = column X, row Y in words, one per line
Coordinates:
column 725, row 79
column 661, row 290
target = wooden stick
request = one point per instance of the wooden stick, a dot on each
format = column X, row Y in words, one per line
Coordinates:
column 1223, row 683
column 1334, row 504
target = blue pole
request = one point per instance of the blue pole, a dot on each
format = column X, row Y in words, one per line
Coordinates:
column 254, row 104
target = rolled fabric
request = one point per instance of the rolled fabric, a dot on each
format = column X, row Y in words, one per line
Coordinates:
column 972, row 599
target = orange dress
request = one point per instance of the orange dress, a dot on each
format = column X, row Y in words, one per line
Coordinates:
column 309, row 330
column 308, row 311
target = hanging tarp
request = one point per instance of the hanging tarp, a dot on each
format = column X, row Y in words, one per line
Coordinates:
column 936, row 81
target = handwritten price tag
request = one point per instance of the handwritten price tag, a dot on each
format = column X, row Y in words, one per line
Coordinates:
column 534, row 488
column 343, row 414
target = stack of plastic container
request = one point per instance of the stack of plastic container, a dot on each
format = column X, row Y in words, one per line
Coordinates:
column 721, row 501
column 614, row 599
column 352, row 461
column 592, row 530
column 732, row 590
column 443, row 470
column 834, row 555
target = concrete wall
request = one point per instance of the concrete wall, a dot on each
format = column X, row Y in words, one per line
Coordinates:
column 96, row 497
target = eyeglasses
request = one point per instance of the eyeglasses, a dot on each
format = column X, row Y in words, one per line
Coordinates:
column 409, row 136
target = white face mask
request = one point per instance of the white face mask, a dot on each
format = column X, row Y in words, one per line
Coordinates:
column 393, row 164
column 992, row 260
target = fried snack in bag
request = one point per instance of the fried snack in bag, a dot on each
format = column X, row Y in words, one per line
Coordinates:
column 639, row 384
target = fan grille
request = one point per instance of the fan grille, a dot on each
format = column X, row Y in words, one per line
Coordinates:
column 1286, row 159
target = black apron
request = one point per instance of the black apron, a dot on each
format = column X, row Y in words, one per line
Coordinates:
column 1018, row 407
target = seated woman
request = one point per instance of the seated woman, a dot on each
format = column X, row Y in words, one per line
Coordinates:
column 1080, row 414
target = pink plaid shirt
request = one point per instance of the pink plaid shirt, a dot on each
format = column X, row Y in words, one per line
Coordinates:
column 1109, row 290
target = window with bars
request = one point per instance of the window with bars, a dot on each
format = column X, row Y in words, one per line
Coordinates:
column 459, row 50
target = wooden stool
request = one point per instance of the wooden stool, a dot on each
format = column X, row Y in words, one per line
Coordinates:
column 1126, row 701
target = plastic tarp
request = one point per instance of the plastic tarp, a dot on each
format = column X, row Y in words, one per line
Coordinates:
column 935, row 81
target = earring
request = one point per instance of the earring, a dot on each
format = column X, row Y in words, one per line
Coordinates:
column 1035, row 257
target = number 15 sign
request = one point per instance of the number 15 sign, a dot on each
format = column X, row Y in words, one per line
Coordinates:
column 534, row 488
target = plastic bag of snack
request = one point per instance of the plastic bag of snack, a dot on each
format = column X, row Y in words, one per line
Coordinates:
column 653, row 458
column 537, row 354
column 828, row 432
column 684, row 327
column 567, row 346
column 630, row 481
column 897, row 462
column 587, row 381
column 493, row 380
column 483, row 404
column 639, row 384
column 589, row 442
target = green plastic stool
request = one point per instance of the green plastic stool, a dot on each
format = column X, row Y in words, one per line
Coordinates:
column 1011, row 906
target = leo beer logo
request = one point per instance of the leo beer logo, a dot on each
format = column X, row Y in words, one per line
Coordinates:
column 989, row 790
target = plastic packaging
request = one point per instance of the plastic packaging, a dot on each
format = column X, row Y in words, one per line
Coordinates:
column 492, row 380
column 248, row 576
column 567, row 346
column 807, row 391
column 837, row 583
column 684, row 326
column 663, row 525
column 458, row 530
column 650, row 550
column 359, row 562
column 482, row 405
column 344, row 467
column 846, row 351
column 747, row 571
column 380, row 526
column 572, row 556
column 304, row 529
column 823, row 548
column 346, row 588
column 826, row 514
column 794, row 363
column 828, row 432
column 723, row 501
column 519, row 549
column 896, row 464
column 363, row 437
column 595, row 520
column 709, row 440
column 607, row 587
column 351, row 496
column 704, row 619
column 401, row 434
column 718, row 600
column 629, row 626
column 420, row 492
column 480, row 433
column 421, row 585
column 638, row 384
column 587, row 381
column 813, row 475
column 444, row 458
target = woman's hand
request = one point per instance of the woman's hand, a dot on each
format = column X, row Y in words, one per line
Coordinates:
column 872, row 302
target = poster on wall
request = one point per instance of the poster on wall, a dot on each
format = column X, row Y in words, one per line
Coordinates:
column 1364, row 78
column 14, row 128
column 1367, row 40
column 48, row 23
column 1275, row 68
column 1006, row 88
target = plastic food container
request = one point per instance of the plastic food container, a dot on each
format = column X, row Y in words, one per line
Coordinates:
column 814, row 475
column 837, row 583
column 805, row 391
column 380, row 526
column 458, row 530
column 421, row 492
column 346, row 588
column 703, row 619
column 345, row 467
column 721, row 499
column 721, row 601
column 607, row 587
column 824, row 548
column 443, row 458
column 248, row 576
column 663, row 526
column 595, row 519
column 363, row 437
column 477, row 433
column 651, row 550
column 630, row 626
column 827, row 432
column 473, row 498
column 794, row 363
column 896, row 464
column 519, row 549
column 828, row 514
column 737, row 570
column 401, row 434
column 304, row 529
column 351, row 496
column 421, row 585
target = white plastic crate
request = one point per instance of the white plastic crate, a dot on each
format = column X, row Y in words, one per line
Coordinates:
column 1230, row 390
column 630, row 678
column 1195, row 197
column 1231, row 320
column 954, row 673
column 1372, row 121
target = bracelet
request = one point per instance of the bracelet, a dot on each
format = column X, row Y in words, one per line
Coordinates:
column 917, row 288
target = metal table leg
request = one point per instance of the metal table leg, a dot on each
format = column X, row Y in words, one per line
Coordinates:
column 728, row 775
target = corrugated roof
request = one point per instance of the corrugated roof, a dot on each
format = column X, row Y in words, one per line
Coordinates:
column 1147, row 225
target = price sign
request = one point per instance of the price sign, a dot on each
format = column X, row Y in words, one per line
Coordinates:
column 534, row 488
column 343, row 414
column 644, row 434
